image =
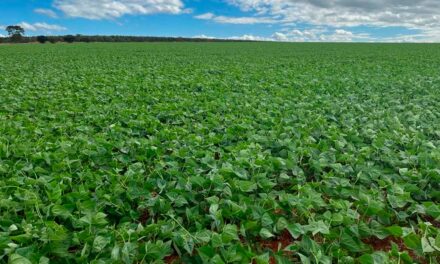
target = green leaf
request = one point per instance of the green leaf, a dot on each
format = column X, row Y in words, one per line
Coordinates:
column 296, row 230
column 426, row 247
column 262, row 259
column 44, row 260
column 318, row 227
column 266, row 220
column 381, row 257
column 247, row 186
column 414, row 242
column 157, row 250
column 12, row 228
column 281, row 224
column 217, row 260
column 206, row 253
column 378, row 230
column 17, row 259
column 351, row 243
column 128, row 252
column 432, row 209
column 366, row 259
column 203, row 236
column 364, row 230
column 230, row 233
column 435, row 243
column 217, row 240
column 188, row 244
column 375, row 258
column 304, row 259
column 100, row 243
column 98, row 219
column 397, row 201
column 396, row 231
column 265, row 233
column 115, row 254
column 61, row 211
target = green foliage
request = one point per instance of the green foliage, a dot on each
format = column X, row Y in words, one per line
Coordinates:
column 15, row 32
column 219, row 153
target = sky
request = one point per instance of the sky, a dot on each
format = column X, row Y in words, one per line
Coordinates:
column 271, row 20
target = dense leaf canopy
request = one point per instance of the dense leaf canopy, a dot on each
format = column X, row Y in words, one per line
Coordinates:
column 219, row 153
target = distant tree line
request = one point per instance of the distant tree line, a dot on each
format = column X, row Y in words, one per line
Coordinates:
column 16, row 35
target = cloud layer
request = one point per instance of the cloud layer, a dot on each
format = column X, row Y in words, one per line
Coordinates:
column 110, row 9
column 290, row 20
column 409, row 13
column 46, row 12
column 423, row 16
column 236, row 20
column 310, row 35
column 41, row 27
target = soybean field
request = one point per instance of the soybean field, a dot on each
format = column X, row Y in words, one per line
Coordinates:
column 220, row 153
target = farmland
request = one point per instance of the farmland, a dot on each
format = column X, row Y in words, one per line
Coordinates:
column 220, row 153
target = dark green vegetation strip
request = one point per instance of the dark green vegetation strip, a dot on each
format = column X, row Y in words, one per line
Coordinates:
column 219, row 153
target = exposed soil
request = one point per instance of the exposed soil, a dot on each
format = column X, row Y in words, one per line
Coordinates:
column 279, row 242
column 143, row 218
column 432, row 220
column 171, row 259
column 385, row 245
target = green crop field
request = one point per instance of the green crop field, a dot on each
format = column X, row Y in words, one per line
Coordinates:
column 220, row 153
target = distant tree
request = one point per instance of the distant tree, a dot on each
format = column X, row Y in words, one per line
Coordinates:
column 15, row 33
column 52, row 40
column 69, row 38
column 100, row 38
column 81, row 38
column 42, row 39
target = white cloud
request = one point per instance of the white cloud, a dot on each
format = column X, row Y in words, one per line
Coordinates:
column 236, row 20
column 339, row 35
column 206, row 16
column 251, row 38
column 46, row 12
column 243, row 37
column 278, row 36
column 319, row 34
column 41, row 27
column 309, row 35
column 2, row 36
column 203, row 36
column 427, row 36
column 110, row 9
column 421, row 15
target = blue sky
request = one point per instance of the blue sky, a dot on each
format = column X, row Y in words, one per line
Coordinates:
column 272, row 20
